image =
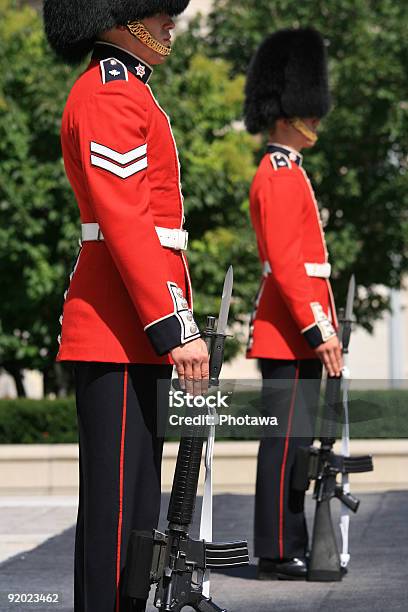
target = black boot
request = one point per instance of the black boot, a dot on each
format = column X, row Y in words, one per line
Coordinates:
column 282, row 569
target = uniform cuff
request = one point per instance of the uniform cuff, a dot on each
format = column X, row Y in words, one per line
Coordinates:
column 314, row 336
column 168, row 334
column 177, row 328
column 321, row 331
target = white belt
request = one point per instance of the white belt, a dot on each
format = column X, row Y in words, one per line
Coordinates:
column 319, row 270
column 171, row 238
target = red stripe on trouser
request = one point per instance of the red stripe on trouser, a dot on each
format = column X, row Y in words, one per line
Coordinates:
column 122, row 454
column 284, row 460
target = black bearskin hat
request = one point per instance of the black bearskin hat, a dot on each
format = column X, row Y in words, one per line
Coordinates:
column 287, row 77
column 72, row 26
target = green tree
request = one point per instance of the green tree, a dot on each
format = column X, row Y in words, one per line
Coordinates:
column 38, row 225
column 359, row 167
column 217, row 158
column 39, row 221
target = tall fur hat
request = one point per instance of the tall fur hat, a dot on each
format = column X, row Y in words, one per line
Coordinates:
column 287, row 77
column 72, row 26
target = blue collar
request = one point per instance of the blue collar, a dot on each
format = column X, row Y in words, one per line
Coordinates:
column 134, row 64
column 293, row 155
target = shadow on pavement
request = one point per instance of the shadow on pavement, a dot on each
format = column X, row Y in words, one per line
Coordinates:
column 377, row 581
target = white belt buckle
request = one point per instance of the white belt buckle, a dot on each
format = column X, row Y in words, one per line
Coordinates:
column 266, row 268
column 91, row 232
column 182, row 240
column 173, row 238
column 318, row 270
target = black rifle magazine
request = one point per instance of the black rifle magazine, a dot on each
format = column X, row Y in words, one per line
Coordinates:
column 137, row 575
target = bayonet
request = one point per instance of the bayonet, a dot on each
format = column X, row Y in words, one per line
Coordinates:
column 350, row 298
column 217, row 338
column 225, row 302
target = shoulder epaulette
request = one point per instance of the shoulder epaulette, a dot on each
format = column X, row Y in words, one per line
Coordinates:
column 113, row 70
column 280, row 160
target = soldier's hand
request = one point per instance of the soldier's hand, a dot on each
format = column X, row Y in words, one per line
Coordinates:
column 330, row 354
column 192, row 365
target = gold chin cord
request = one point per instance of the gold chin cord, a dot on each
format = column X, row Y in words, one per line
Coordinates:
column 304, row 130
column 142, row 33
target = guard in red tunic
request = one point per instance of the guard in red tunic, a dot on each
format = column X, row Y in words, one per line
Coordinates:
column 128, row 312
column 293, row 326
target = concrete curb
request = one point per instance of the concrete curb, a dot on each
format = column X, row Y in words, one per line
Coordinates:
column 53, row 469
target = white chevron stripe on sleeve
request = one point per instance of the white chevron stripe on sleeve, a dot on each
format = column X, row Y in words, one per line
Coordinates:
column 118, row 170
column 120, row 158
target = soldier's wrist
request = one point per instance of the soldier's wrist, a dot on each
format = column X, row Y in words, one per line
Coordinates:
column 323, row 342
column 170, row 333
column 175, row 329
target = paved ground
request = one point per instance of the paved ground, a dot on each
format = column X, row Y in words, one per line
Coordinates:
column 27, row 522
column 378, row 578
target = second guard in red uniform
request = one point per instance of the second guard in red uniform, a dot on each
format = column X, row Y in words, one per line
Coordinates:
column 293, row 326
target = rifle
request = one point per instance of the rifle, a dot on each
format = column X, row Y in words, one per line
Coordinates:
column 176, row 563
column 323, row 466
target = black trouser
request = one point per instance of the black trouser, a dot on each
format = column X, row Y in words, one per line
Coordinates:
column 120, row 462
column 280, row 525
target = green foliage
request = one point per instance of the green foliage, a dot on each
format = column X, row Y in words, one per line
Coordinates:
column 38, row 216
column 359, row 166
column 38, row 421
column 375, row 414
column 217, row 158
column 38, row 224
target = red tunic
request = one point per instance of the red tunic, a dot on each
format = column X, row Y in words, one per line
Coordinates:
column 127, row 299
column 292, row 308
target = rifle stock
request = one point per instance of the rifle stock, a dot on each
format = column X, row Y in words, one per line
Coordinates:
column 324, row 564
column 323, row 466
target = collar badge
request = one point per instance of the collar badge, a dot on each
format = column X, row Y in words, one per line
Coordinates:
column 141, row 70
